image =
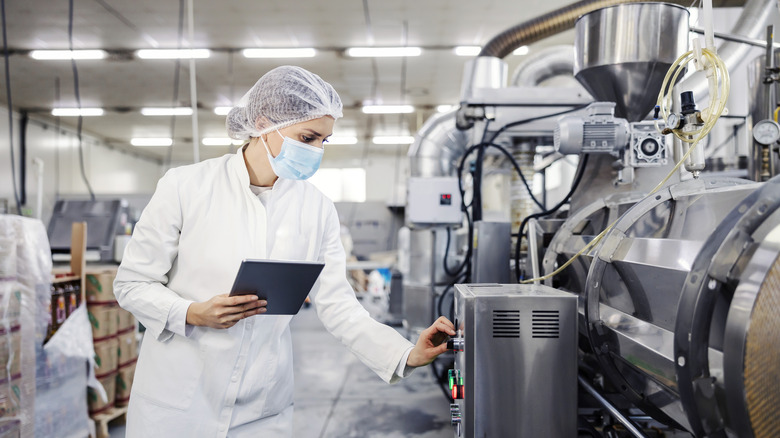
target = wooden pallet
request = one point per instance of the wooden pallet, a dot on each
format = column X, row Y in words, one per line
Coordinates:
column 116, row 415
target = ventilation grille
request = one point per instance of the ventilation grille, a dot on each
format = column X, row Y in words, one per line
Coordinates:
column 545, row 323
column 506, row 323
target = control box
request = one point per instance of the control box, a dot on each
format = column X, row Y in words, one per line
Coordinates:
column 433, row 201
column 515, row 369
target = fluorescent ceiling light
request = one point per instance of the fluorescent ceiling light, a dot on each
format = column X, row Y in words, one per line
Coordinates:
column 222, row 110
column 393, row 139
column 388, row 109
column 444, row 108
column 151, row 141
column 383, row 51
column 342, row 140
column 75, row 112
column 522, row 50
column 67, row 54
column 180, row 111
column 220, row 141
column 467, row 50
column 298, row 52
column 173, row 53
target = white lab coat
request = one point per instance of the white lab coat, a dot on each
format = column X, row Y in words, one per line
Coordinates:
column 187, row 247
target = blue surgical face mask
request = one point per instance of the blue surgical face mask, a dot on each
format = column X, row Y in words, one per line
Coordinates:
column 296, row 160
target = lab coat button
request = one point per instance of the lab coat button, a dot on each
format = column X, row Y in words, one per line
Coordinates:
column 234, row 378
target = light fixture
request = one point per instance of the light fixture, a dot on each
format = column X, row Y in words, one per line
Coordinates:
column 180, row 111
column 151, row 141
column 75, row 112
column 379, row 52
column 67, row 54
column 388, row 109
column 522, row 50
column 297, row 52
column 173, row 53
column 444, row 108
column 467, row 50
column 220, row 141
column 222, row 110
column 342, row 140
column 393, row 139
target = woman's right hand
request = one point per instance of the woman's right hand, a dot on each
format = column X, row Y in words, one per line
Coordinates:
column 224, row 311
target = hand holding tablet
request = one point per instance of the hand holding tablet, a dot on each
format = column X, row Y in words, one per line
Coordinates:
column 284, row 284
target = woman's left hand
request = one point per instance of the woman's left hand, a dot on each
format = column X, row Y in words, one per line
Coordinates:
column 432, row 342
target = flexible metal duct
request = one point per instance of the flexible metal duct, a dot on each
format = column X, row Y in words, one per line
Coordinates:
column 437, row 147
column 545, row 64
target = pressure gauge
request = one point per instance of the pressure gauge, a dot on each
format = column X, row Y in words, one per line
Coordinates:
column 766, row 132
column 673, row 121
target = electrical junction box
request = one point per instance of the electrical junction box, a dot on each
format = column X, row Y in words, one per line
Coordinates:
column 433, row 201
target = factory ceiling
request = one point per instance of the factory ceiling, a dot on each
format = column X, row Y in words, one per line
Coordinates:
column 122, row 83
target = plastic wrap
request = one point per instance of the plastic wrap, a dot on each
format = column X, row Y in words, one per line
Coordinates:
column 35, row 406
column 61, row 401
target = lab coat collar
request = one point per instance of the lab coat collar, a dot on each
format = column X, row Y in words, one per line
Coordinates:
column 238, row 162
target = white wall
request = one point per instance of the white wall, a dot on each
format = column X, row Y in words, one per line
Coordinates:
column 110, row 172
column 386, row 169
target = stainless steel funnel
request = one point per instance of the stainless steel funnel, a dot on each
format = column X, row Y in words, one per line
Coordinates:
column 623, row 52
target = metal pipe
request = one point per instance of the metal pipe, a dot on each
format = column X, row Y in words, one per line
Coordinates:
column 625, row 421
column 736, row 38
column 750, row 24
column 193, row 86
column 543, row 65
column 437, row 147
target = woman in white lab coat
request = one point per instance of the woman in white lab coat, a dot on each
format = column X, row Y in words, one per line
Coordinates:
column 212, row 365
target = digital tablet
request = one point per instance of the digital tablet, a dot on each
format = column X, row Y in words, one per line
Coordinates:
column 283, row 284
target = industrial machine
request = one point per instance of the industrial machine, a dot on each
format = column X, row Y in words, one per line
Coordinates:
column 666, row 243
column 513, row 341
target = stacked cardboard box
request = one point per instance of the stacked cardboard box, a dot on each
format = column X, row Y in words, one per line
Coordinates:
column 116, row 345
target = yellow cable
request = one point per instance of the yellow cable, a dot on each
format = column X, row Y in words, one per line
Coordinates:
column 664, row 99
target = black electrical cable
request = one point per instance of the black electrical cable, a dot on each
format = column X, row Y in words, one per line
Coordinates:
column 511, row 159
column 521, row 231
column 533, row 119
column 10, row 111
column 457, row 271
column 175, row 101
column 78, row 100
column 449, row 287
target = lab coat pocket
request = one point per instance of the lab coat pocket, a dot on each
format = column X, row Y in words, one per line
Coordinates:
column 169, row 372
column 289, row 246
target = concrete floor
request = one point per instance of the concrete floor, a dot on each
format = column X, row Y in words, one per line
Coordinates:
column 337, row 396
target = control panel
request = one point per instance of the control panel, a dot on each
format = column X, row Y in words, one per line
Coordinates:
column 515, row 371
column 433, row 201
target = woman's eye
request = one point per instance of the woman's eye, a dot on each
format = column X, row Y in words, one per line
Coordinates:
column 307, row 139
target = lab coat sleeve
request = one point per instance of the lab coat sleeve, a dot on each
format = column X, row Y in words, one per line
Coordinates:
column 141, row 278
column 378, row 346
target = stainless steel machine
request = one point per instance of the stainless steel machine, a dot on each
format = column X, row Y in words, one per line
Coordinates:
column 515, row 371
column 677, row 293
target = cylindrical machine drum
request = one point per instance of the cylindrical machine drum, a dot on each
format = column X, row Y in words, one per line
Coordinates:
column 656, row 279
column 730, row 396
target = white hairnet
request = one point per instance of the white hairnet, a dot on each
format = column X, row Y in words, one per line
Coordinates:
column 284, row 96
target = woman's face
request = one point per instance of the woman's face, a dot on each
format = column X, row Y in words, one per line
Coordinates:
column 312, row 132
